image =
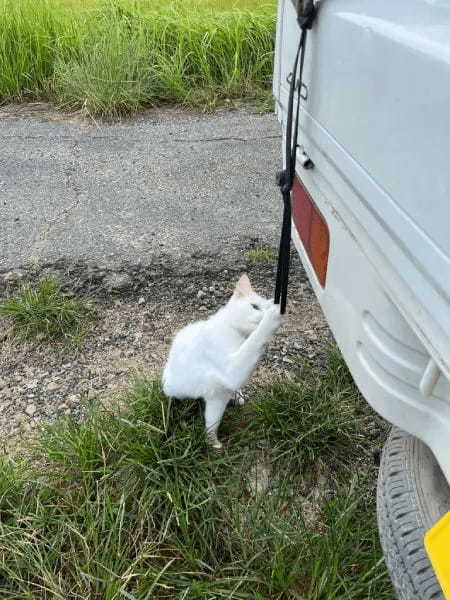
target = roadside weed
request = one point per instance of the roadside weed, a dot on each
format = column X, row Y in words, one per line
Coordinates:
column 132, row 503
column 313, row 416
column 261, row 255
column 111, row 58
column 45, row 311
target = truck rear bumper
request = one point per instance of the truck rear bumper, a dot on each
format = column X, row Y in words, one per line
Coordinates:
column 388, row 360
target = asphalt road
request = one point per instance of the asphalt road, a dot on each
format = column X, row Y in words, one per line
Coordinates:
column 172, row 183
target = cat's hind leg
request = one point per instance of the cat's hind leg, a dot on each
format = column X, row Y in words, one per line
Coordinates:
column 215, row 405
column 238, row 398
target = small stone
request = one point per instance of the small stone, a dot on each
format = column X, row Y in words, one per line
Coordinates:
column 62, row 406
column 201, row 294
column 118, row 282
column 6, row 392
column 211, row 289
column 53, row 385
column 141, row 300
column 31, row 385
column 14, row 275
column 202, row 308
column 30, row 410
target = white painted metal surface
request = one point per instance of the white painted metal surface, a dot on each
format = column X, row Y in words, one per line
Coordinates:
column 376, row 124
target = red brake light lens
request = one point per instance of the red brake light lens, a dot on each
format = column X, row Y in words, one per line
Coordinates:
column 312, row 229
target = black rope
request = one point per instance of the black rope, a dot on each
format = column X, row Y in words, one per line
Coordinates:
column 285, row 178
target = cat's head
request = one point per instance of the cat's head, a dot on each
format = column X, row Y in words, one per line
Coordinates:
column 246, row 308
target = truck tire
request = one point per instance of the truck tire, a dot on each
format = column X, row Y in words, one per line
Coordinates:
column 412, row 496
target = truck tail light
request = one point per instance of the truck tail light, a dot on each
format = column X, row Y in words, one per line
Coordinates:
column 312, row 229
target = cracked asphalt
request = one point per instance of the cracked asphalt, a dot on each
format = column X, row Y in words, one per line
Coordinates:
column 170, row 183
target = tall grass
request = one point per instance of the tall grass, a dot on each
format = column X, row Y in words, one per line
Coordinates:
column 131, row 503
column 29, row 38
column 111, row 57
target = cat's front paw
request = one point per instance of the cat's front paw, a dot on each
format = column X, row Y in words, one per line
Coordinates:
column 272, row 318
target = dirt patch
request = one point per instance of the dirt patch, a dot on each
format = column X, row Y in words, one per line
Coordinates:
column 49, row 112
column 131, row 337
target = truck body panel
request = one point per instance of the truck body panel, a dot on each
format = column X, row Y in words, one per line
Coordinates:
column 374, row 123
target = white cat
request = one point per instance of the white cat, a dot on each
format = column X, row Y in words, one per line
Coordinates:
column 212, row 359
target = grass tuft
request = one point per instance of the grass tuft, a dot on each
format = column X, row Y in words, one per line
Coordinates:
column 315, row 416
column 132, row 503
column 261, row 255
column 46, row 312
column 111, row 58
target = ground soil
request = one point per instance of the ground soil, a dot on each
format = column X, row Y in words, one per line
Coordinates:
column 131, row 336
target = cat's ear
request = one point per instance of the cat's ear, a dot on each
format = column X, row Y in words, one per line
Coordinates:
column 243, row 287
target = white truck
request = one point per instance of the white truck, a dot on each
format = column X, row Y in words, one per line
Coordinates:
column 371, row 222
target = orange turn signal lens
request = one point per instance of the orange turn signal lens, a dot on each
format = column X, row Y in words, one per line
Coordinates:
column 312, row 229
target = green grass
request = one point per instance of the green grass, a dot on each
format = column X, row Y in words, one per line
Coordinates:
column 111, row 58
column 200, row 5
column 261, row 255
column 131, row 503
column 46, row 312
column 312, row 416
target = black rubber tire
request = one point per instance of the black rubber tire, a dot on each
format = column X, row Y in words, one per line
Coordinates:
column 413, row 494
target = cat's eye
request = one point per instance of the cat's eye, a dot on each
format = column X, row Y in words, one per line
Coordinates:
column 256, row 307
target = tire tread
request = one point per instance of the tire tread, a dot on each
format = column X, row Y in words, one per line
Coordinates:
column 401, row 524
